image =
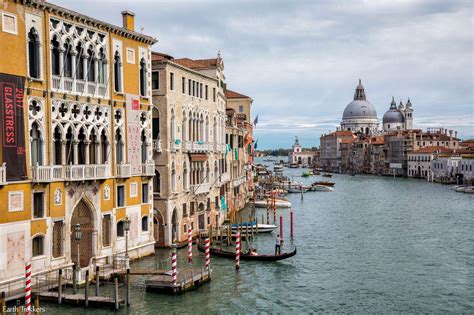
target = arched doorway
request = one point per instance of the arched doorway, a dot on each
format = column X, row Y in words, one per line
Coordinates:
column 158, row 229
column 82, row 215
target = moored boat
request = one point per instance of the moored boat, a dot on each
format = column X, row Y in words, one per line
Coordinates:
column 279, row 203
column 262, row 228
column 324, row 183
column 327, row 175
column 321, row 188
column 469, row 190
column 246, row 256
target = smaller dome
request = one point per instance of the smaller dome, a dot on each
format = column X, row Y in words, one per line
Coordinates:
column 393, row 116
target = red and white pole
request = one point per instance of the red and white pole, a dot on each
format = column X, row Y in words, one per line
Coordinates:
column 208, row 253
column 28, row 288
column 274, row 210
column 237, row 251
column 281, row 227
column 190, row 244
column 173, row 265
column 291, row 223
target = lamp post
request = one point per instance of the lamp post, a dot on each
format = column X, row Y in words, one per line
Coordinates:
column 126, row 227
column 77, row 238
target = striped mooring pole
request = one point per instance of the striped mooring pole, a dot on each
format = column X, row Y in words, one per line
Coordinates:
column 190, row 244
column 237, row 251
column 28, row 288
column 207, row 244
column 268, row 211
column 173, row 264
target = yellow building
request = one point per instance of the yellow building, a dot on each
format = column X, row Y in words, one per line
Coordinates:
column 75, row 100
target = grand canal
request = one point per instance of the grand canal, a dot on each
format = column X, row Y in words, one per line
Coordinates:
column 375, row 244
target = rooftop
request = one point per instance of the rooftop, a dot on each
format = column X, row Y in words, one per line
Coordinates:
column 432, row 149
column 199, row 64
column 233, row 94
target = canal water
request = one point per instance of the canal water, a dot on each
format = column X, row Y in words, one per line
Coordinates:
column 375, row 244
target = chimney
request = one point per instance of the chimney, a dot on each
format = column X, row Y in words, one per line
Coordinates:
column 128, row 20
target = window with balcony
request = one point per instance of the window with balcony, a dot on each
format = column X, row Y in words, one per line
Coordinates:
column 119, row 154
column 106, row 229
column 155, row 124
column 57, row 144
column 81, row 60
column 36, row 140
column 38, row 205
column 143, row 77
column 34, row 54
column 145, row 224
column 103, row 147
column 91, row 66
column 58, row 228
column 102, row 67
column 155, row 80
column 144, row 147
column 67, row 63
column 38, row 246
column 145, row 193
column 117, row 72
column 120, row 196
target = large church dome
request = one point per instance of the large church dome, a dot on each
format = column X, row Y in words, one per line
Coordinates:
column 359, row 107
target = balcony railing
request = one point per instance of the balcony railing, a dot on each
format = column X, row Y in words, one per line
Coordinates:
column 86, row 172
column 174, row 146
column 123, row 170
column 76, row 86
column 148, row 168
column 157, row 145
column 200, row 146
column 91, row 88
column 80, row 86
column 102, row 90
column 68, row 84
column 56, row 81
column 239, row 180
column 201, row 188
column 47, row 173
column 3, row 174
column 224, row 178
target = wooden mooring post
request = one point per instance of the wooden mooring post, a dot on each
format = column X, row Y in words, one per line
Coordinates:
column 86, row 291
column 60, row 286
column 97, row 280
column 74, row 279
column 127, row 293
column 3, row 304
column 116, row 294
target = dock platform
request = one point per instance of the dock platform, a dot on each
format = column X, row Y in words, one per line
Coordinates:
column 186, row 281
column 79, row 299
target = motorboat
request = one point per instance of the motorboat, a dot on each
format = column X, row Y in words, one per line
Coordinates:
column 461, row 188
column 469, row 190
column 297, row 190
column 279, row 203
column 293, row 165
column 262, row 228
column 327, row 175
column 324, row 183
column 321, row 188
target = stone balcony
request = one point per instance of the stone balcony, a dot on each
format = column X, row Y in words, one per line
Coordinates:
column 148, row 168
column 123, row 170
column 156, row 145
column 52, row 173
column 80, row 87
column 174, row 146
column 224, row 178
column 3, row 174
column 201, row 188
column 196, row 146
column 239, row 181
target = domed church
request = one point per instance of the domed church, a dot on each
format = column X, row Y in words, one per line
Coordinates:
column 360, row 115
column 400, row 118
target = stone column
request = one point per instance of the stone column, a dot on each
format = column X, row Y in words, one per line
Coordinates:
column 63, row 152
column 61, row 68
column 75, row 144
column 87, row 144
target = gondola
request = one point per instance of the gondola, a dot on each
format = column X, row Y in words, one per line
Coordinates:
column 218, row 253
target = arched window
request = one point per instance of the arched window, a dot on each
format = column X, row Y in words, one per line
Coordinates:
column 119, row 147
column 156, row 124
column 36, row 146
column 208, row 172
column 102, row 67
column 81, row 147
column 173, row 127
column 92, row 148
column 67, row 64
column 103, row 148
column 143, row 77
column 91, row 66
column 145, row 224
column 144, row 147
column 38, row 246
column 69, row 148
column 120, row 229
column 185, row 176
column 55, row 56
column 117, row 72
column 184, row 127
column 80, row 62
column 157, row 183
column 34, row 53
column 173, row 177
column 57, row 146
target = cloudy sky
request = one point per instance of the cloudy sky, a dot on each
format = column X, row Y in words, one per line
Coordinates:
column 300, row 60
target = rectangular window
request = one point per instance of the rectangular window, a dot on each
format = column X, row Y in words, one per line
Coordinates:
column 241, row 108
column 38, row 249
column 155, row 80
column 9, row 23
column 58, row 239
column 194, row 88
column 183, row 85
column 206, row 92
column 120, row 196
column 145, row 193
column 172, row 81
column 106, row 229
column 185, row 210
column 200, row 90
column 38, row 205
column 213, row 94
column 189, row 87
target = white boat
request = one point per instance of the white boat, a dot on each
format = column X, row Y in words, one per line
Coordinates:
column 262, row 228
column 279, row 203
column 297, row 190
column 461, row 188
column 321, row 188
column 469, row 190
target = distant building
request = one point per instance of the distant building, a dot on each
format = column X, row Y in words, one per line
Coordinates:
column 330, row 148
column 419, row 161
column 302, row 157
column 400, row 118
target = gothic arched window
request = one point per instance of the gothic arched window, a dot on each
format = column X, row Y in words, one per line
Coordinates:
column 91, row 66
column 143, row 77
column 81, row 60
column 117, row 72
column 102, row 67
column 119, row 147
column 34, row 53
column 67, row 60
column 144, row 149
column 55, row 57
column 36, row 146
column 57, row 146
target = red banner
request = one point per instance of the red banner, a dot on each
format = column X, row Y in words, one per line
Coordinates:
column 13, row 125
